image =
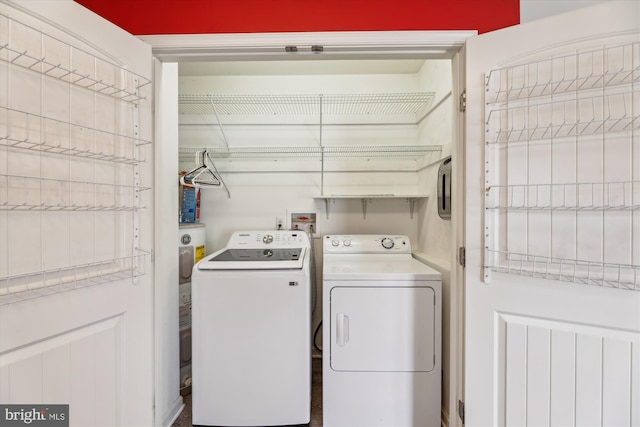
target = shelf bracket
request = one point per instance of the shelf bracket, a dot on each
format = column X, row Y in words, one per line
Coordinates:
column 326, row 206
column 412, row 205
column 365, row 202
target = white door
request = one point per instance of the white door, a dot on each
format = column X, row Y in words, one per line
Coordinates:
column 75, row 215
column 552, row 283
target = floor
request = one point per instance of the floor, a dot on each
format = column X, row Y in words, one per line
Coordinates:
column 184, row 419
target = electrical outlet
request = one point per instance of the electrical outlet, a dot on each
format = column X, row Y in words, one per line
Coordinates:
column 279, row 223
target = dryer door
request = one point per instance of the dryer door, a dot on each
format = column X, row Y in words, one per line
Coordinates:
column 383, row 329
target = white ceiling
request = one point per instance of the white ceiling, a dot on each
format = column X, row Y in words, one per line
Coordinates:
column 300, row 67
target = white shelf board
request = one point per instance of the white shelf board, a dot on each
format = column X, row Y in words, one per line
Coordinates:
column 366, row 198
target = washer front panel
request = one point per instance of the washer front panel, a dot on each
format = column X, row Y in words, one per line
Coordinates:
column 251, row 347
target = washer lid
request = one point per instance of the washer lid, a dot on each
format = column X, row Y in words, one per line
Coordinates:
column 255, row 259
column 267, row 255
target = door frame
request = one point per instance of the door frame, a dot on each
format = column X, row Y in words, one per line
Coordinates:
column 342, row 45
column 336, row 45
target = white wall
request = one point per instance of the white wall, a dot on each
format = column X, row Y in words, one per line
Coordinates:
column 531, row 10
column 434, row 233
column 436, row 129
column 167, row 354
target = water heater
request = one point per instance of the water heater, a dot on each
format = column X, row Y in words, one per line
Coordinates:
column 191, row 249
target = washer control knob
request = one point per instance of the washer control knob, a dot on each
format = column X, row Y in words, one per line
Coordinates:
column 335, row 242
column 387, row 243
column 346, row 243
column 267, row 238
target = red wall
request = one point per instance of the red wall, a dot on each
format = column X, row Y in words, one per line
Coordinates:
column 144, row 17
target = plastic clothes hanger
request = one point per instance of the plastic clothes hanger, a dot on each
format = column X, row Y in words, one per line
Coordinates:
column 204, row 176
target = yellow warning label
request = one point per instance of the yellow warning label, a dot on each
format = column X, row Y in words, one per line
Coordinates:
column 200, row 252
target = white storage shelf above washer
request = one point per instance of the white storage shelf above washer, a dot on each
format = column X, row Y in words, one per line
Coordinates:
column 327, row 153
column 308, row 127
column 408, row 108
column 365, row 199
column 324, row 133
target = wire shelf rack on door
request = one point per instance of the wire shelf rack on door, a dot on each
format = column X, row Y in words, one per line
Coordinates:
column 28, row 131
column 623, row 276
column 562, row 181
column 593, row 196
column 28, row 286
column 72, row 166
column 33, row 49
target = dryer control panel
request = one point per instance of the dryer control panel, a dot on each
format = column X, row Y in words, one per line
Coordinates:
column 366, row 244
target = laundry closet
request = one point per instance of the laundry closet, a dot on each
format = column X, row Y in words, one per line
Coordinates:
column 353, row 145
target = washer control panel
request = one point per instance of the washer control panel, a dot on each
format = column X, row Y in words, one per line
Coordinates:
column 268, row 239
column 366, row 244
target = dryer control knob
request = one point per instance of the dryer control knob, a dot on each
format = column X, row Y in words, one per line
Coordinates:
column 335, row 242
column 346, row 243
column 387, row 243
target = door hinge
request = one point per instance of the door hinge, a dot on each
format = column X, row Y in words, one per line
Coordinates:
column 463, row 101
column 462, row 256
column 461, row 410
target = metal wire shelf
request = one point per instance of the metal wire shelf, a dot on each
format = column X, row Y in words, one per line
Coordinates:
column 593, row 69
column 413, row 105
column 561, row 136
column 49, row 194
column 30, row 48
column 62, row 135
column 28, row 286
column 595, row 196
column 412, row 152
column 622, row 276
column 561, row 119
column 73, row 165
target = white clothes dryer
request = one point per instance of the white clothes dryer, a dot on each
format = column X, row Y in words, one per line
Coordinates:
column 381, row 334
column 251, row 317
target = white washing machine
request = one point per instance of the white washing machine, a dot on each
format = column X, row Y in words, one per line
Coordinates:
column 251, row 315
column 381, row 334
